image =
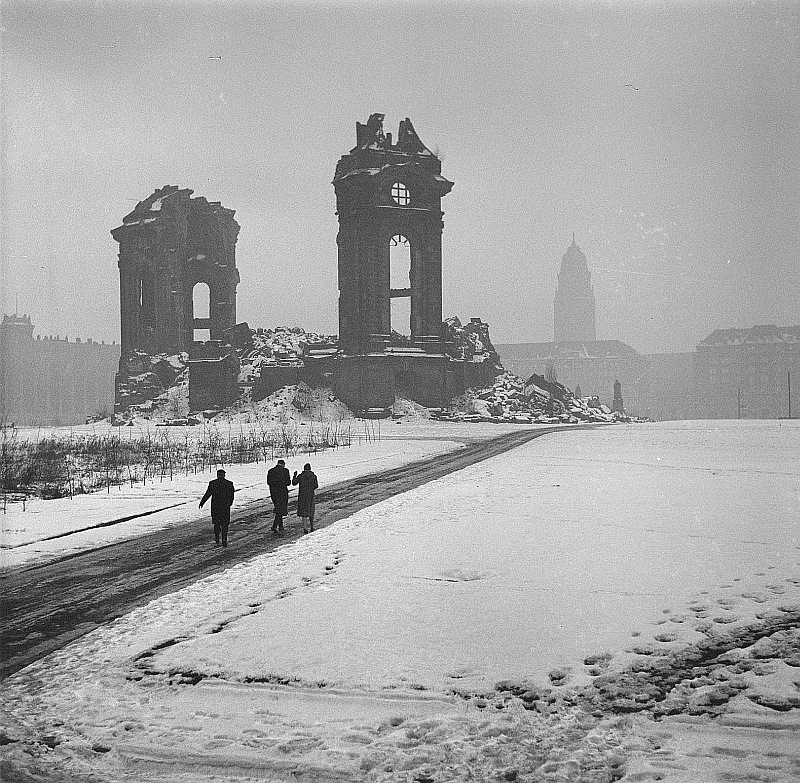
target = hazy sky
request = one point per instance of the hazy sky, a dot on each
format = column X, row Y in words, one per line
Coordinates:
column 667, row 136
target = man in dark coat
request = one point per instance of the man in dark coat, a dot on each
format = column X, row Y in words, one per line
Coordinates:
column 220, row 490
column 306, row 483
column 278, row 481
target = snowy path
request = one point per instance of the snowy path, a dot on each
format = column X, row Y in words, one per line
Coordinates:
column 44, row 607
column 621, row 604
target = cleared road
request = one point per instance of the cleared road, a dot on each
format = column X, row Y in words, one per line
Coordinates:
column 45, row 607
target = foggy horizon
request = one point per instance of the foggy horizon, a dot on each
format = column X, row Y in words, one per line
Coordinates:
column 664, row 136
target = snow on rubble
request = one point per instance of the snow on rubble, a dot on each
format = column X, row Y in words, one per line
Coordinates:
column 283, row 346
column 160, row 388
column 615, row 604
column 535, row 401
column 160, row 391
column 470, row 341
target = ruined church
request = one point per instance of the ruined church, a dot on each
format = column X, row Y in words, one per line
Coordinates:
column 178, row 282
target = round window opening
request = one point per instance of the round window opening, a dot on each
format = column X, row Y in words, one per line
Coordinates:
column 400, row 194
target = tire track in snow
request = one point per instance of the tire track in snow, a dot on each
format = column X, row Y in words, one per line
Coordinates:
column 46, row 606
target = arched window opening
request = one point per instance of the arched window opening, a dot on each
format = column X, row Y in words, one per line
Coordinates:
column 201, row 301
column 400, row 285
column 400, row 194
column 201, row 311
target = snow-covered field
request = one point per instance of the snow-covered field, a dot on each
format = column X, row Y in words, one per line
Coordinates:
column 527, row 618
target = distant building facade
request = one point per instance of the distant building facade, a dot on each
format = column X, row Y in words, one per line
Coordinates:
column 574, row 307
column 52, row 381
column 746, row 373
column 733, row 373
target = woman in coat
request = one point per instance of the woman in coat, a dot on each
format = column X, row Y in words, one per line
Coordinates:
column 306, row 482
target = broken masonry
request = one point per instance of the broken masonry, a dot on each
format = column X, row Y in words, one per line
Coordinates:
column 173, row 249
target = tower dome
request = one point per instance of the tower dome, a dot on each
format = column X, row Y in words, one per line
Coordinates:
column 574, row 310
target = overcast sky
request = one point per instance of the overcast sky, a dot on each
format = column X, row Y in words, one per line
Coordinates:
column 667, row 136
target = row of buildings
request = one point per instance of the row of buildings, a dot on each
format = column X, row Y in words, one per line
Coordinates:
column 732, row 373
column 53, row 380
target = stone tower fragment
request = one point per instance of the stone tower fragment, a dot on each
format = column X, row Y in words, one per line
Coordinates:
column 388, row 194
column 168, row 245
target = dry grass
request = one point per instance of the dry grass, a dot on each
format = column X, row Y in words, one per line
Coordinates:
column 55, row 466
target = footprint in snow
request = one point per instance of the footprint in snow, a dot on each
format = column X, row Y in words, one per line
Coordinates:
column 558, row 676
column 459, row 672
column 218, row 743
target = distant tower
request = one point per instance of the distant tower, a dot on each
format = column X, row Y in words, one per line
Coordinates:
column 574, row 304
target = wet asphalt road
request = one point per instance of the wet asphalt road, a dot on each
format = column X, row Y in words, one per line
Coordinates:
column 44, row 607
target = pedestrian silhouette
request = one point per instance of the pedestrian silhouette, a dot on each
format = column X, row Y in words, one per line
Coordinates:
column 278, row 481
column 306, row 482
column 220, row 490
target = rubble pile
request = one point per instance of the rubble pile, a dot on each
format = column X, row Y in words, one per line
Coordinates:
column 408, row 409
column 156, row 387
column 283, row 346
column 293, row 403
column 155, row 383
column 535, row 401
column 470, row 342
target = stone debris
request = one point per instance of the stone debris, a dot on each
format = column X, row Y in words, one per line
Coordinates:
column 157, row 387
column 470, row 342
column 154, row 386
column 535, row 401
column 283, row 346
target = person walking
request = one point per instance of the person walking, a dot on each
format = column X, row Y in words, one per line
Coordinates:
column 220, row 490
column 278, row 481
column 306, row 483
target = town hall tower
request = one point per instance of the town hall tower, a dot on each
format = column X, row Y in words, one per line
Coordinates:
column 574, row 317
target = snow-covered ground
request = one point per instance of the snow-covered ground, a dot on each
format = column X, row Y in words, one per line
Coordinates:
column 523, row 619
column 36, row 530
